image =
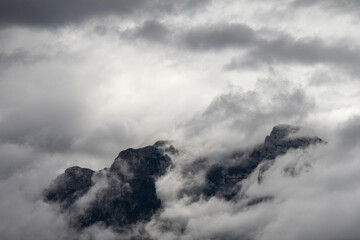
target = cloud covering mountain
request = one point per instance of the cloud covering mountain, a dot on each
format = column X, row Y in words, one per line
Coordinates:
column 82, row 80
column 125, row 195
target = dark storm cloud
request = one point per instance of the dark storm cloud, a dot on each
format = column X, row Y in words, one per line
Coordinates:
column 257, row 46
column 266, row 47
column 57, row 13
column 219, row 37
column 150, row 30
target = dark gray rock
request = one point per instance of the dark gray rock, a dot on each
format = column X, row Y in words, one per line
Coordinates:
column 225, row 181
column 121, row 195
column 69, row 186
column 142, row 162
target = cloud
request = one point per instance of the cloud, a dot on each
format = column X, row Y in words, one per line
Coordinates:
column 15, row 157
column 265, row 46
column 20, row 56
column 180, row 7
column 349, row 135
column 257, row 47
column 25, row 215
column 326, row 191
column 150, row 30
column 241, row 117
column 50, row 125
column 217, row 37
column 342, row 6
column 288, row 50
column 52, row 103
column 59, row 13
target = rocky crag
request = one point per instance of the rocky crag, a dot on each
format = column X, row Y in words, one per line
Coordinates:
column 225, row 181
column 122, row 194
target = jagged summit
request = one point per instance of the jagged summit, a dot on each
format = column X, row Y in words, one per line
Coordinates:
column 223, row 181
column 280, row 132
column 125, row 193
column 146, row 161
column 69, row 186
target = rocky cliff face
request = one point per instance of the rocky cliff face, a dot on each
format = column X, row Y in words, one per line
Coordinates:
column 125, row 193
column 225, row 181
column 119, row 196
column 70, row 186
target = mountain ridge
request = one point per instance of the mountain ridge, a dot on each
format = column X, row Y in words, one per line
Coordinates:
column 125, row 193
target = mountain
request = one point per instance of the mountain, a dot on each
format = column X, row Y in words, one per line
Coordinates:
column 223, row 181
column 125, row 193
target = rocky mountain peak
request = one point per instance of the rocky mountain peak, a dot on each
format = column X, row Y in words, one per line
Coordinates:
column 69, row 186
column 280, row 132
column 119, row 196
column 225, row 181
column 125, row 193
column 146, row 161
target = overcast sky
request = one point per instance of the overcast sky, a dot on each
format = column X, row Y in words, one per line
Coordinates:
column 82, row 80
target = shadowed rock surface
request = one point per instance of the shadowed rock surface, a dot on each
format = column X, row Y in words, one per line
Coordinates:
column 224, row 181
column 116, row 197
column 70, row 186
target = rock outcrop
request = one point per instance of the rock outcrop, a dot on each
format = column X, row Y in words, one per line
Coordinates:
column 70, row 186
column 223, row 181
column 119, row 196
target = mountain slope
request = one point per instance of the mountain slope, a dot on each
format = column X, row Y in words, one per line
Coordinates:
column 121, row 195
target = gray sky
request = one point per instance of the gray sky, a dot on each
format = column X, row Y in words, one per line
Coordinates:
column 82, row 80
